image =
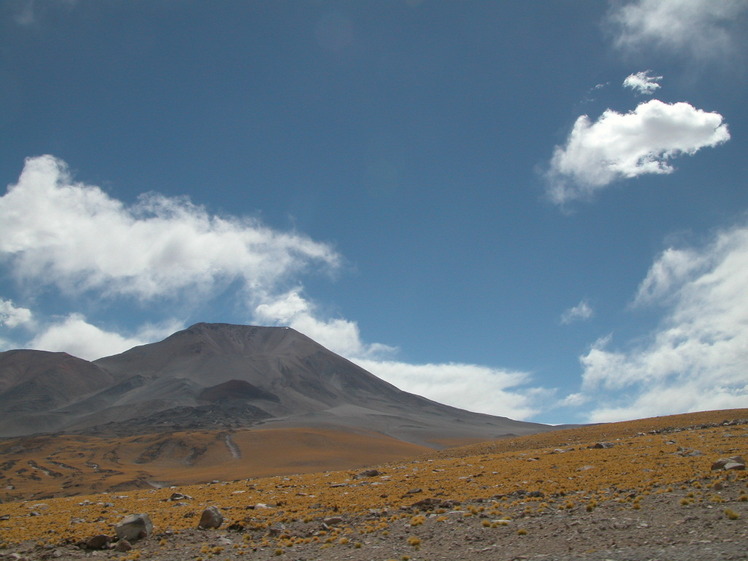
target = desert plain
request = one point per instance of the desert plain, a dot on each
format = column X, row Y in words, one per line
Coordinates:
column 638, row 490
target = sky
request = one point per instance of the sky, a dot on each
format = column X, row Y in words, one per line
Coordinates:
column 537, row 210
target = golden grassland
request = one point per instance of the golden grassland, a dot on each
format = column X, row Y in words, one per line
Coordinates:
column 557, row 470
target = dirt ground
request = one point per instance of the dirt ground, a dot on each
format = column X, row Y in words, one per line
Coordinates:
column 672, row 525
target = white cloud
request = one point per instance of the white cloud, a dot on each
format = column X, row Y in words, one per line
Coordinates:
column 74, row 236
column 13, row 316
column 700, row 29
column 76, row 336
column 339, row 335
column 697, row 359
column 642, row 82
column 468, row 386
column 580, row 312
column 619, row 146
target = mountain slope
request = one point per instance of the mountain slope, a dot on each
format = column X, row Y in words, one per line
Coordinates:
column 219, row 376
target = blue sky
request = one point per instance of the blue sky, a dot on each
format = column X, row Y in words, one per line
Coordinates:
column 531, row 209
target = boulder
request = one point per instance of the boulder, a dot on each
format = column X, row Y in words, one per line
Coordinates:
column 100, row 541
column 733, row 462
column 134, row 527
column 211, row 518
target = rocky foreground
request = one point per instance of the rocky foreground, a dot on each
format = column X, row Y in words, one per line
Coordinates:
column 668, row 488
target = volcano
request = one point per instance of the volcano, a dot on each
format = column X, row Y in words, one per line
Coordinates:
column 222, row 376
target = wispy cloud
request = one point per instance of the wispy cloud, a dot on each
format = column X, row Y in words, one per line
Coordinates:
column 619, row 146
column 580, row 312
column 477, row 388
column 337, row 334
column 58, row 232
column 642, row 82
column 696, row 359
column 76, row 336
column 699, row 29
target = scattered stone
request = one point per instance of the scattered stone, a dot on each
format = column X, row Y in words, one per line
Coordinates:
column 179, row 497
column 414, row 491
column 369, row 473
column 332, row 520
column 211, row 518
column 599, row 445
column 688, row 452
column 134, row 527
column 100, row 541
column 5, row 517
column 123, row 546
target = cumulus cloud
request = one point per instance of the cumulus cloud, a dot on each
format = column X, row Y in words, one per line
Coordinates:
column 700, row 29
column 619, row 146
column 467, row 386
column 580, row 312
column 642, row 82
column 697, row 358
column 13, row 316
column 59, row 232
column 76, row 336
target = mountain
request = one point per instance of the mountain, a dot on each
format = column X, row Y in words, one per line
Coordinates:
column 221, row 376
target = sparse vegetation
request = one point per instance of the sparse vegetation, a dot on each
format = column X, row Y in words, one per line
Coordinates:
column 566, row 484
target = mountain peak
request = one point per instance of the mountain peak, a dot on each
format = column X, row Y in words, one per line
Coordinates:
column 225, row 375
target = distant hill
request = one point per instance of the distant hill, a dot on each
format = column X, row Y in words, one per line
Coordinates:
column 218, row 377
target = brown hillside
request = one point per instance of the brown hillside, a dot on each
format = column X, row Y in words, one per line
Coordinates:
column 59, row 465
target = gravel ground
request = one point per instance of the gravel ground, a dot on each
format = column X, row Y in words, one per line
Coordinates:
column 710, row 526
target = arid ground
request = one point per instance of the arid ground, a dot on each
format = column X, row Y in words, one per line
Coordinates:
column 640, row 490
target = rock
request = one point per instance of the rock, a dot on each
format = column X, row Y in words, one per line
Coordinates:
column 733, row 462
column 179, row 497
column 333, row 520
column 100, row 541
column 210, row 518
column 134, row 527
column 599, row 445
column 369, row 473
column 123, row 545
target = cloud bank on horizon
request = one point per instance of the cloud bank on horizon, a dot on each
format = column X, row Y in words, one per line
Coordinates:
column 74, row 242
